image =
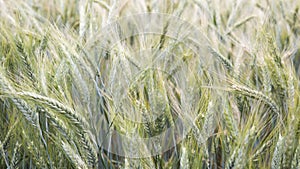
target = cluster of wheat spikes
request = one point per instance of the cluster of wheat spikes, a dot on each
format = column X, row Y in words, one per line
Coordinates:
column 239, row 96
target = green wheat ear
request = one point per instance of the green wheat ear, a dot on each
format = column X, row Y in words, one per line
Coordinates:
column 258, row 95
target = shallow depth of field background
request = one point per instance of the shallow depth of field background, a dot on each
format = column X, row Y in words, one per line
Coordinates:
column 80, row 84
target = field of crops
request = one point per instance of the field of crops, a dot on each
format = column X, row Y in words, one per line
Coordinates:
column 121, row 84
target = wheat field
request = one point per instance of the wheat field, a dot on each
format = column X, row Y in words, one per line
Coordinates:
column 121, row 84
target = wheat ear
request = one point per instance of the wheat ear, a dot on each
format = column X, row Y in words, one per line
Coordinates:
column 258, row 95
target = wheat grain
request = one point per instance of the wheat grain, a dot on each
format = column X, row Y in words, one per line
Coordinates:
column 90, row 151
column 75, row 158
column 184, row 159
column 296, row 162
column 289, row 145
column 230, row 125
column 278, row 153
column 15, row 156
column 222, row 58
